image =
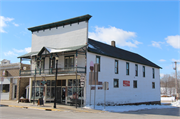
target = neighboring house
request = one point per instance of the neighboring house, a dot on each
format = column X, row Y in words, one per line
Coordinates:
column 132, row 78
column 9, row 72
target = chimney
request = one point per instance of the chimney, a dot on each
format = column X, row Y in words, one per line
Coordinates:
column 113, row 43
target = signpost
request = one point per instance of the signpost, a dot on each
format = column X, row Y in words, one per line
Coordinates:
column 105, row 87
column 82, row 80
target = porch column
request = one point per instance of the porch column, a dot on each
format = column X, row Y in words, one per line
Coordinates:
column 51, row 64
column 40, row 66
column 19, row 81
column 30, row 89
column 76, row 78
column 35, row 65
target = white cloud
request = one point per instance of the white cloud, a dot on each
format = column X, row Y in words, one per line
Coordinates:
column 122, row 38
column 25, row 50
column 174, row 41
column 15, row 51
column 175, row 60
column 162, row 60
column 10, row 53
column 161, row 75
column 156, row 44
column 15, row 24
column 28, row 49
column 3, row 23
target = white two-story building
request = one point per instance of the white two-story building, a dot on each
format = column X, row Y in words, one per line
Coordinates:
column 132, row 78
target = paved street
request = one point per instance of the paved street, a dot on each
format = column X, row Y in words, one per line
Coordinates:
column 19, row 113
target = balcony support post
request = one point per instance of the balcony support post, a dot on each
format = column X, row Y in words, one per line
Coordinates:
column 76, row 78
column 40, row 66
column 19, row 79
column 51, row 64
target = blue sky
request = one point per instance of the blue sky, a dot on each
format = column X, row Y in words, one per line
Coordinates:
column 149, row 28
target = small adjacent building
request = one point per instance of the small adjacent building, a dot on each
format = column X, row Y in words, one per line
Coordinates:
column 9, row 84
column 84, row 65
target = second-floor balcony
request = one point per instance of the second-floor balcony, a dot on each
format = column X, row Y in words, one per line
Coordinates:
column 67, row 70
column 69, row 60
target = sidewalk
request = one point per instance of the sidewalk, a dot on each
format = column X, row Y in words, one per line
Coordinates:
column 47, row 107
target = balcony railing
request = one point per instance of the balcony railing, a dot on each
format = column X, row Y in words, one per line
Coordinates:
column 66, row 70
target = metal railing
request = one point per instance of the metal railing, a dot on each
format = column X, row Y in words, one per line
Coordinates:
column 50, row 71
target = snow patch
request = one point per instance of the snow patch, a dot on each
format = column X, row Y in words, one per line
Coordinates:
column 127, row 108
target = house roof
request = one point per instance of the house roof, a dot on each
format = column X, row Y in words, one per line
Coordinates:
column 61, row 23
column 108, row 50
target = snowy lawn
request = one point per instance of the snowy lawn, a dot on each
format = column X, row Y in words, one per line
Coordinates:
column 127, row 108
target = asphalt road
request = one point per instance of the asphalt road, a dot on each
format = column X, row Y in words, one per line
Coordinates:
column 19, row 113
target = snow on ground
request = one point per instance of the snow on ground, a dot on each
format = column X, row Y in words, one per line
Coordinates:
column 176, row 104
column 127, row 108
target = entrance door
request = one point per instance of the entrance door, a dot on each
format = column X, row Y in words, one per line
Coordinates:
column 58, row 94
column 63, row 95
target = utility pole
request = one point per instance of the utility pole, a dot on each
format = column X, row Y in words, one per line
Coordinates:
column 176, row 85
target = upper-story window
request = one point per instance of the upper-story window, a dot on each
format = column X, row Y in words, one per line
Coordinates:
column 127, row 68
column 98, row 61
column 69, row 61
column 143, row 71
column 53, row 62
column 153, row 73
column 136, row 70
column 116, row 66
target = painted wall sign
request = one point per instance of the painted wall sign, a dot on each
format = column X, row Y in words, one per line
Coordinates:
column 126, row 83
column 100, row 83
column 93, row 88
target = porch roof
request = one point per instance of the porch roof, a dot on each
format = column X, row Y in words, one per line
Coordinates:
column 52, row 50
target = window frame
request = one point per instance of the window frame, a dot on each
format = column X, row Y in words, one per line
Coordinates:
column 117, row 83
column 127, row 68
column 68, row 61
column 134, row 86
column 136, row 69
column 98, row 57
column 144, row 70
column 153, row 85
column 116, row 69
column 153, row 72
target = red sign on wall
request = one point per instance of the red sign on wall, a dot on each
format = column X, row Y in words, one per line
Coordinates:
column 126, row 83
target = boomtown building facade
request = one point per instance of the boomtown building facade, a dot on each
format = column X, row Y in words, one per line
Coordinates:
column 83, row 65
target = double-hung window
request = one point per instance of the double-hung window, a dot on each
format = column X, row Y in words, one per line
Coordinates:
column 127, row 68
column 136, row 70
column 116, row 66
column 153, row 85
column 116, row 83
column 69, row 61
column 153, row 73
column 98, row 61
column 143, row 71
column 134, row 84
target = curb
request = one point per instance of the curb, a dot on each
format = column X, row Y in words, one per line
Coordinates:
column 49, row 109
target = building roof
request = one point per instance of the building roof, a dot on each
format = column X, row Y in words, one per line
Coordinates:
column 61, row 23
column 108, row 50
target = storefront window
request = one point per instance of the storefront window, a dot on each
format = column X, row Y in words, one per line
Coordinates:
column 69, row 82
column 48, row 94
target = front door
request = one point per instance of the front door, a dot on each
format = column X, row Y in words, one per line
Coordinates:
column 59, row 94
column 63, row 95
